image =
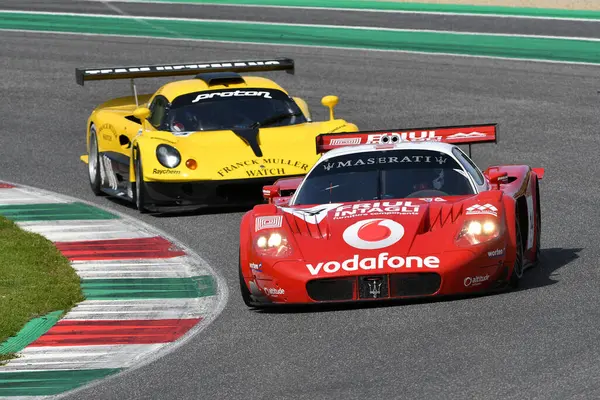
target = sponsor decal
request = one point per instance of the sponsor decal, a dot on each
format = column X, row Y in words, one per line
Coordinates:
column 396, row 137
column 256, row 267
column 430, row 199
column 178, row 67
column 165, row 171
column 106, row 137
column 482, row 209
column 108, row 127
column 461, row 135
column 237, row 93
column 266, row 172
column 345, row 141
column 375, row 233
column 270, row 222
column 263, row 167
column 495, row 253
column 273, row 291
column 312, row 215
column 376, row 208
column 329, row 165
column 382, row 261
column 316, row 214
column 471, row 281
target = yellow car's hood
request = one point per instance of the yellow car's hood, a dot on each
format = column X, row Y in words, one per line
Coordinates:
column 229, row 155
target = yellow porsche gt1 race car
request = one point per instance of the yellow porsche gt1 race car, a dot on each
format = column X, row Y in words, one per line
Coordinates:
column 216, row 138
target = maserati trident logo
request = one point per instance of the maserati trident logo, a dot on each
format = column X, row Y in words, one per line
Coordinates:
column 375, row 287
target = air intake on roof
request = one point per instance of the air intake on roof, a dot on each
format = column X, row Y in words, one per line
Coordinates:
column 220, row 78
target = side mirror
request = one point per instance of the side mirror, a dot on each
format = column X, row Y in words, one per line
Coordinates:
column 141, row 113
column 330, row 102
column 270, row 192
column 497, row 178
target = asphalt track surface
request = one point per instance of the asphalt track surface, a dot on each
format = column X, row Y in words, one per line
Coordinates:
column 539, row 342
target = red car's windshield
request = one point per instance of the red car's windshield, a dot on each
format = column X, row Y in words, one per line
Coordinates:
column 391, row 174
column 232, row 109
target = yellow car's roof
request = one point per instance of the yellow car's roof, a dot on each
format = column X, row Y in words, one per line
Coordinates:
column 175, row 89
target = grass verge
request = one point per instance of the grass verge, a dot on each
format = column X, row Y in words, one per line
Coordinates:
column 35, row 279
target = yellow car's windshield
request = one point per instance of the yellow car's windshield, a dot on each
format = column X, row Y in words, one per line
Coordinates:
column 231, row 109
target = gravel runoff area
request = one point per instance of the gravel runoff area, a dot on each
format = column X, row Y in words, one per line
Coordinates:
column 566, row 4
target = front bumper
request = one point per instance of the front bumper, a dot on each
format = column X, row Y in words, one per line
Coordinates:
column 463, row 272
column 197, row 193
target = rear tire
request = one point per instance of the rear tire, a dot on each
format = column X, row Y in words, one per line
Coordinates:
column 517, row 272
column 140, row 185
column 538, row 229
column 94, row 164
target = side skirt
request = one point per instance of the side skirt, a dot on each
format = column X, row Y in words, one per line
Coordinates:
column 114, row 173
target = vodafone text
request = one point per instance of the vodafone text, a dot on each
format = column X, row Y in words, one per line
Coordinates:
column 382, row 261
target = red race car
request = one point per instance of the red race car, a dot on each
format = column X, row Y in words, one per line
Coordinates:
column 391, row 215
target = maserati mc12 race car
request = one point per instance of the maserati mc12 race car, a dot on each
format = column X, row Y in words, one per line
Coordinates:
column 213, row 139
column 391, row 215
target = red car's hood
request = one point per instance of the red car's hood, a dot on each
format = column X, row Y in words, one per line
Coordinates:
column 410, row 227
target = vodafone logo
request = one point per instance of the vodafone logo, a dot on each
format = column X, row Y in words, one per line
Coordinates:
column 375, row 233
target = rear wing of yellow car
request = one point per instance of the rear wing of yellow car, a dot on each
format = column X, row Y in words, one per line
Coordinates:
column 161, row 70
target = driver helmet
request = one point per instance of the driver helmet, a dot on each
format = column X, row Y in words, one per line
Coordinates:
column 428, row 179
column 177, row 127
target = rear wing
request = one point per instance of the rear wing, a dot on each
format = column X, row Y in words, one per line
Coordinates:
column 462, row 134
column 161, row 70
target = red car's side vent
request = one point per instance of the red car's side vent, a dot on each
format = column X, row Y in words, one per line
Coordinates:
column 301, row 226
column 440, row 214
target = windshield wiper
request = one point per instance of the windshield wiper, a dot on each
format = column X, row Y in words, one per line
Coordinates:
column 276, row 118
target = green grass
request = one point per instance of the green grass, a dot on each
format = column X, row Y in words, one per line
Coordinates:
column 35, row 279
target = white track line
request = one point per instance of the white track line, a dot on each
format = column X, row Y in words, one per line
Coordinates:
column 80, row 357
column 176, row 267
column 366, row 10
column 278, row 45
column 361, row 28
column 142, row 309
column 71, row 231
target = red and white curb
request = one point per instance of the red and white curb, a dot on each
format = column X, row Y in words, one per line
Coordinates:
column 113, row 333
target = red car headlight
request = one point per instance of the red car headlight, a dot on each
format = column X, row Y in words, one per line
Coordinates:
column 476, row 231
column 272, row 244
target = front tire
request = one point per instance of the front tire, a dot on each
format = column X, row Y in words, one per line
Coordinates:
column 246, row 296
column 94, row 163
column 517, row 272
column 140, row 185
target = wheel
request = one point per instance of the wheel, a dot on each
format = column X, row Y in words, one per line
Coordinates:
column 517, row 272
column 140, row 185
column 246, row 296
column 94, row 164
column 538, row 229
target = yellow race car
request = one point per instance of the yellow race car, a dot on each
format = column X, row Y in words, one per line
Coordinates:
column 216, row 138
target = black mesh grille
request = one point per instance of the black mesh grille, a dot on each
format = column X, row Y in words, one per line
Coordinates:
column 374, row 286
column 420, row 284
column 331, row 289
